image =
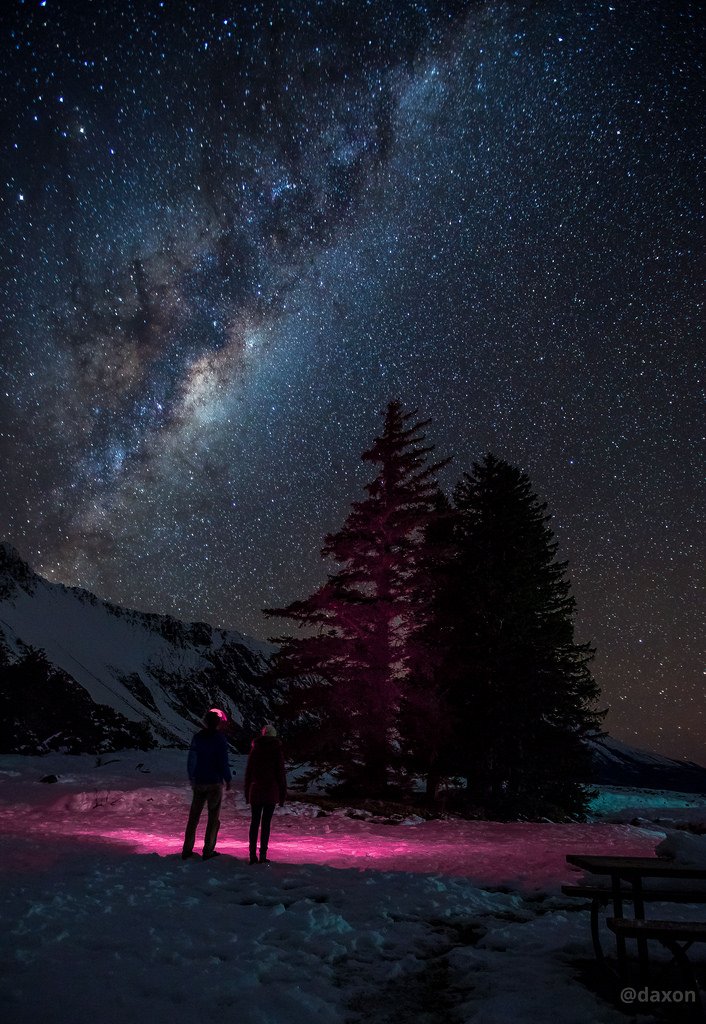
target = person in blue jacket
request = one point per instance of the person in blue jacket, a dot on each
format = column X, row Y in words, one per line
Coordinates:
column 208, row 770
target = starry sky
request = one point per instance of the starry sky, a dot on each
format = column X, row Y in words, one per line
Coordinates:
column 232, row 232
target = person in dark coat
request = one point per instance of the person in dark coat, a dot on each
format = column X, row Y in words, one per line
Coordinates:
column 208, row 770
column 265, row 785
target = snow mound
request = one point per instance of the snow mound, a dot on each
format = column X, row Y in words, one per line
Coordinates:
column 684, row 848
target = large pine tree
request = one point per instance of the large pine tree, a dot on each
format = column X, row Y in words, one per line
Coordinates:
column 349, row 665
column 426, row 723
column 518, row 685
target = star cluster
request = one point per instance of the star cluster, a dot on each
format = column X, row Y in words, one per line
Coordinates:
column 233, row 231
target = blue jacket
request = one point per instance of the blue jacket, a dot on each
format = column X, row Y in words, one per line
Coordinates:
column 208, row 759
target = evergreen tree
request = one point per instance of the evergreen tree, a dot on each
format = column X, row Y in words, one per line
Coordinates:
column 519, row 687
column 43, row 708
column 425, row 723
column 348, row 671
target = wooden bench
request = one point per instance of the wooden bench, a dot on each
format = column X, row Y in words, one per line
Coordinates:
column 676, row 936
column 601, row 896
column 628, row 876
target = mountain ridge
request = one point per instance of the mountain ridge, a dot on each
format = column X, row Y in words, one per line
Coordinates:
column 617, row 764
column 155, row 673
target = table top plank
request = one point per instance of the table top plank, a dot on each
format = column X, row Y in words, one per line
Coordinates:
column 679, row 931
column 626, row 867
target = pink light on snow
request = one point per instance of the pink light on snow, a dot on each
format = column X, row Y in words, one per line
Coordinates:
column 491, row 853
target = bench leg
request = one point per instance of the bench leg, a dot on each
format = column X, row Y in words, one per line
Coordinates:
column 639, row 909
column 686, row 970
column 619, row 939
column 595, row 934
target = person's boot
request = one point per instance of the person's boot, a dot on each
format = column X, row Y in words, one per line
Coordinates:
column 253, row 855
column 263, row 856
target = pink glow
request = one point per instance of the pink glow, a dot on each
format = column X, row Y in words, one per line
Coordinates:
column 524, row 855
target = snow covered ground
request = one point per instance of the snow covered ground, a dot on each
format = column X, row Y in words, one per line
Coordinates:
column 354, row 920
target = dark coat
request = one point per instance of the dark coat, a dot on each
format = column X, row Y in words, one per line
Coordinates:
column 265, row 775
column 208, row 759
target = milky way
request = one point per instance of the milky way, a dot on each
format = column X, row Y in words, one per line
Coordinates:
column 232, row 232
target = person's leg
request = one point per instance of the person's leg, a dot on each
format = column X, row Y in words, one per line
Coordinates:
column 256, row 814
column 267, row 811
column 214, row 797
column 197, row 802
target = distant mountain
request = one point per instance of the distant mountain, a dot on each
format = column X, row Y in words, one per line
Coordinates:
column 84, row 675
column 616, row 764
column 81, row 674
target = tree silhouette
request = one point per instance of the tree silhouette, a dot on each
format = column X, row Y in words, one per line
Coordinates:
column 426, row 726
column 517, row 685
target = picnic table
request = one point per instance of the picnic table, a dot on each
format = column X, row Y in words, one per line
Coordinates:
column 635, row 871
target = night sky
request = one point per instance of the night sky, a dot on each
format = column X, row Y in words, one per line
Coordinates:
column 231, row 233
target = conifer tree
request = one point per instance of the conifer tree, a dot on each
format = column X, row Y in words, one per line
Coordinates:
column 349, row 666
column 425, row 725
column 519, row 686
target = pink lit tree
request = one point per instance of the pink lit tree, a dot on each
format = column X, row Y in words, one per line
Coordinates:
column 350, row 665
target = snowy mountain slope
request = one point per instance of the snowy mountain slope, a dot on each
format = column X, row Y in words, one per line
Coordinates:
column 617, row 764
column 146, row 670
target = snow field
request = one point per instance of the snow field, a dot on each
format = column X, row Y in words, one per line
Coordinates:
column 155, row 938
column 354, row 921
